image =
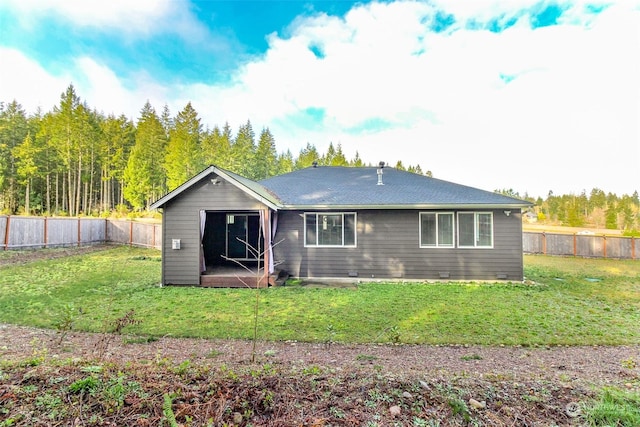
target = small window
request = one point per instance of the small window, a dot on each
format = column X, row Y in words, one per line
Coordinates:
column 436, row 229
column 475, row 229
column 330, row 229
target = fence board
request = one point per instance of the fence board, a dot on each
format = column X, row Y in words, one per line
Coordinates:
column 38, row 232
column 580, row 245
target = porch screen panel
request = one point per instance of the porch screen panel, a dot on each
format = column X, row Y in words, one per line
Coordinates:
column 203, row 221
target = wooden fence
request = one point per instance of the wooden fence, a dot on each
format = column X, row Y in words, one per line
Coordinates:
column 586, row 246
column 30, row 232
column 22, row 232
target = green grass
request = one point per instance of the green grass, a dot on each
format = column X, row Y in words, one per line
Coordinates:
column 565, row 305
column 614, row 407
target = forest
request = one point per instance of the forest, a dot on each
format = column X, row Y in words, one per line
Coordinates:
column 74, row 160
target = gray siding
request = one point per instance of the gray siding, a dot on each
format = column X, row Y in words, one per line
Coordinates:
column 388, row 247
column 181, row 220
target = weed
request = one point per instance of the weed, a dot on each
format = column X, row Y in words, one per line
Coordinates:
column 312, row 370
column 337, row 412
column 393, row 334
column 473, row 356
column 366, row 357
column 85, row 385
column 331, row 335
column 213, row 353
column 68, row 317
column 629, row 363
column 139, row 340
column 459, row 407
column 167, row 410
column 52, row 405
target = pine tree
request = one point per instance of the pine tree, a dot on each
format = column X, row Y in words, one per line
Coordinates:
column 356, row 161
column 184, row 151
column 308, row 155
column 265, row 164
column 118, row 138
column 285, row 163
column 13, row 131
column 243, row 151
column 144, row 176
column 27, row 162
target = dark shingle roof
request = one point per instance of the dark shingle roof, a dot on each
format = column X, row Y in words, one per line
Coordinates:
column 357, row 187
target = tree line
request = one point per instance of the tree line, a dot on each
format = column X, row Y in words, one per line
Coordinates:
column 74, row 160
column 594, row 209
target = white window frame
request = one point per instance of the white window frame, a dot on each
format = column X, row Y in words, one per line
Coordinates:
column 476, row 230
column 438, row 244
column 317, row 214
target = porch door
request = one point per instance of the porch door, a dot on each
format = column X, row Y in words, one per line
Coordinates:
column 242, row 231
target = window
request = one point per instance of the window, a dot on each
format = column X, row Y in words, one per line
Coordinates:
column 330, row 229
column 436, row 229
column 475, row 229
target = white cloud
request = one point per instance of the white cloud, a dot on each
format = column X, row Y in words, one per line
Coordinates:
column 555, row 108
column 25, row 81
column 144, row 17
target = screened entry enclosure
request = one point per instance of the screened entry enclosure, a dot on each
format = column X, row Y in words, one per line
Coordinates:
column 236, row 236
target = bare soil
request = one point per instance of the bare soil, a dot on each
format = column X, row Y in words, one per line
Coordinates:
column 214, row 382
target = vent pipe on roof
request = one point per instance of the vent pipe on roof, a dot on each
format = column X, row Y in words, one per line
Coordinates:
column 380, row 167
column 315, row 164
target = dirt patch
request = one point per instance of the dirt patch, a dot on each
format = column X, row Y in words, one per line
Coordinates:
column 294, row 383
column 23, row 257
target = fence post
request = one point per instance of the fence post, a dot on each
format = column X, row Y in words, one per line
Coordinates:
column 106, row 230
column 153, row 236
column 79, row 226
column 544, row 243
column 6, row 233
column 130, row 233
column 633, row 247
column 575, row 244
column 604, row 246
column 46, row 231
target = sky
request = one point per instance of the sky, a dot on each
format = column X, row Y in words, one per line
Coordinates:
column 529, row 95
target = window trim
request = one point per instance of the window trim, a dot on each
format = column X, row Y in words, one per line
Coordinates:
column 316, row 214
column 475, row 230
column 438, row 245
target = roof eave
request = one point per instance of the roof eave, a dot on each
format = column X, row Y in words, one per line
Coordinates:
column 199, row 177
column 407, row 206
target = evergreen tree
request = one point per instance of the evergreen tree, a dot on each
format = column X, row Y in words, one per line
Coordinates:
column 184, row 152
column 118, row 138
column 356, row 161
column 27, row 161
column 144, row 177
column 243, row 151
column 285, row 163
column 13, row 131
column 338, row 157
column 308, row 155
column 265, row 164
column 400, row 166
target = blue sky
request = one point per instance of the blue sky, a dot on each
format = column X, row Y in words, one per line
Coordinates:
column 524, row 94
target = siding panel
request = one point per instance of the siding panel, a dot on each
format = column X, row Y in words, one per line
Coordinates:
column 388, row 247
column 181, row 220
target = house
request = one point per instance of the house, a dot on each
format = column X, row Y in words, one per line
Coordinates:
column 336, row 223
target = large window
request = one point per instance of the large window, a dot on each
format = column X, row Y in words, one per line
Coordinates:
column 475, row 229
column 436, row 229
column 330, row 229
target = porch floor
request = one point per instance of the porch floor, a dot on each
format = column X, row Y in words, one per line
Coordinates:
column 236, row 277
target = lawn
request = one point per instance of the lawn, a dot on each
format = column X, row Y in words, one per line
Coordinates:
column 564, row 301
